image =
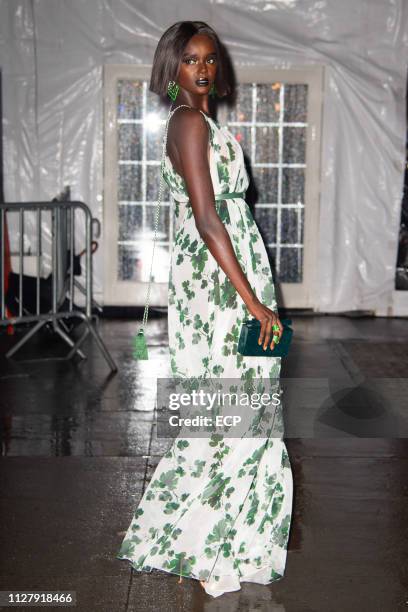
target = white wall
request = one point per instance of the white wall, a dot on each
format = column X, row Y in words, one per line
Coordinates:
column 52, row 53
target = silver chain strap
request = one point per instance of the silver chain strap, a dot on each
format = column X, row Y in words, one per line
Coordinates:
column 156, row 224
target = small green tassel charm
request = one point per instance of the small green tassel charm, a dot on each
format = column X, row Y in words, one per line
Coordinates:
column 139, row 345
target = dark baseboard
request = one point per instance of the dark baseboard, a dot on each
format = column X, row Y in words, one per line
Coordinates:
column 132, row 312
column 136, row 312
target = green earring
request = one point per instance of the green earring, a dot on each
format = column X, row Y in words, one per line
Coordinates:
column 172, row 90
column 213, row 92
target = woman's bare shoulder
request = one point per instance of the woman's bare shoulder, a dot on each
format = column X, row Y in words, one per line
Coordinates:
column 187, row 118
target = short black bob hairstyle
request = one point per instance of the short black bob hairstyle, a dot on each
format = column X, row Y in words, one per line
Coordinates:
column 169, row 51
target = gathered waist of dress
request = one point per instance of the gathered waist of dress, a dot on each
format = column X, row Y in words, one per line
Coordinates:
column 224, row 196
column 232, row 194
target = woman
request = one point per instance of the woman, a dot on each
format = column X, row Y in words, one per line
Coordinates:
column 217, row 509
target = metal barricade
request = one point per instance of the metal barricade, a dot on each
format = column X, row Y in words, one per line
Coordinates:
column 63, row 283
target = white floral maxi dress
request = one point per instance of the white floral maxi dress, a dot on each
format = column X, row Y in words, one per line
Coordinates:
column 216, row 509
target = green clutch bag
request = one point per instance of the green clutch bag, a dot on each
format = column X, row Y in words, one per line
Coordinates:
column 248, row 340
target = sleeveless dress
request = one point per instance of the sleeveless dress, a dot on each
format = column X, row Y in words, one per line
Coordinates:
column 217, row 508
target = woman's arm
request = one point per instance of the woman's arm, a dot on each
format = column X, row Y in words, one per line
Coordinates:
column 191, row 141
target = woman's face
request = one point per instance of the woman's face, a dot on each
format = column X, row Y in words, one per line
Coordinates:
column 199, row 61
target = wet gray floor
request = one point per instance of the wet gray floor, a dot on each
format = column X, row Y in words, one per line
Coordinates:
column 78, row 448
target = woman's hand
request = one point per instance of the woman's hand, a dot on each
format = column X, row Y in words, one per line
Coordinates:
column 267, row 318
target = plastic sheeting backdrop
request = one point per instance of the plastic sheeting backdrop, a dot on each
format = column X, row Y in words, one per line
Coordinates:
column 52, row 57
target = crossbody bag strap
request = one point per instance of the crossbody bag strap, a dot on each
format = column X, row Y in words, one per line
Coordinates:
column 156, row 224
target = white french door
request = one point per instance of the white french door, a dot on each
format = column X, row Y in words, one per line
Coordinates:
column 276, row 118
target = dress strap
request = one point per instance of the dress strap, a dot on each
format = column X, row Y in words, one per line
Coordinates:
column 180, row 106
